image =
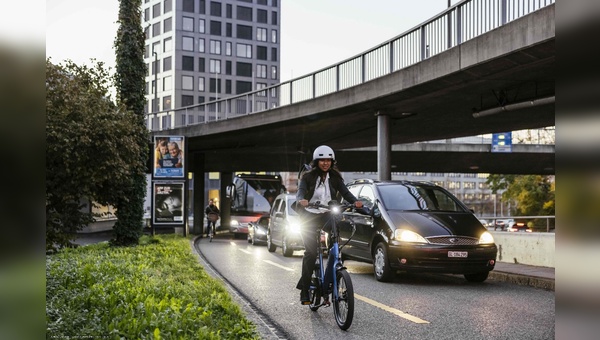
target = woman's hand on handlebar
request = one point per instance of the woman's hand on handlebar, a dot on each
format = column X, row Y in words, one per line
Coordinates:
column 303, row 203
column 358, row 204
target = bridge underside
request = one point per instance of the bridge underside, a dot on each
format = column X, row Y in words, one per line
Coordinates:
column 432, row 100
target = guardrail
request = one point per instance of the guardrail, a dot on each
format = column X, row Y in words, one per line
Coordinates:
column 493, row 219
column 459, row 23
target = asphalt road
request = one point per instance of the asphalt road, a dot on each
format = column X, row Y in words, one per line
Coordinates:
column 413, row 306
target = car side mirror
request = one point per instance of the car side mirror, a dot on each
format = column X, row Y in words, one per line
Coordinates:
column 230, row 191
column 375, row 212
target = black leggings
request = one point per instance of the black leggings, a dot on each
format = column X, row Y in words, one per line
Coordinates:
column 311, row 224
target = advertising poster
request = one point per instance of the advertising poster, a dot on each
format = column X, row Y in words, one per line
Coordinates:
column 169, row 159
column 168, row 203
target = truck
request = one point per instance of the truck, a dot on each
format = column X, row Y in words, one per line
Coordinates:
column 251, row 197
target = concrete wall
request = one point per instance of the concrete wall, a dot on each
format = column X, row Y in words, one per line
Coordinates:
column 535, row 249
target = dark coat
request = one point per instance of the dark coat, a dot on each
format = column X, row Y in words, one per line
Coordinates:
column 306, row 187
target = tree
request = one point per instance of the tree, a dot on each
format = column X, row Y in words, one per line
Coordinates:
column 130, row 81
column 89, row 148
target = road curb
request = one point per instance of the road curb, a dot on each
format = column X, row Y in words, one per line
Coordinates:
column 523, row 280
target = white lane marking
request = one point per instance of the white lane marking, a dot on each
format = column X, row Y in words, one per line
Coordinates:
column 278, row 265
column 390, row 309
column 246, row 251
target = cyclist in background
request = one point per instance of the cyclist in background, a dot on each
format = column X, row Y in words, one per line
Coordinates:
column 322, row 183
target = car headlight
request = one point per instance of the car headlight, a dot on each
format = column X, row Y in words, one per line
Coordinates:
column 294, row 228
column 408, row 236
column 486, row 238
column 234, row 223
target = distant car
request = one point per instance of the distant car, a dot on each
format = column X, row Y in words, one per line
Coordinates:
column 284, row 226
column 485, row 223
column 503, row 223
column 257, row 230
column 416, row 227
column 519, row 226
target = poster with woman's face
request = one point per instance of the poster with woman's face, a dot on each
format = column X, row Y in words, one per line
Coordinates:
column 168, row 157
column 168, row 203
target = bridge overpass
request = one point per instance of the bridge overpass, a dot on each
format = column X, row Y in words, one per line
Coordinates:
column 470, row 70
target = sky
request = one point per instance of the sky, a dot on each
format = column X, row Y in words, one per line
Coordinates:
column 314, row 33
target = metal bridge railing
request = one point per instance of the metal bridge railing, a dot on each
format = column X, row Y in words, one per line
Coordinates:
column 459, row 23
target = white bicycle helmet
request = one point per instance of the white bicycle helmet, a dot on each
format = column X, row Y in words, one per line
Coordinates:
column 323, row 152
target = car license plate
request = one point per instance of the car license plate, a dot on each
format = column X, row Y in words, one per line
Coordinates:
column 457, row 254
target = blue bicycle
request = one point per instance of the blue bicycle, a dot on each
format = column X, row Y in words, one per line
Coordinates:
column 333, row 280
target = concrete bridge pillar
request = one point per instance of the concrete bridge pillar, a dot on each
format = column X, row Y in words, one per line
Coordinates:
column 384, row 147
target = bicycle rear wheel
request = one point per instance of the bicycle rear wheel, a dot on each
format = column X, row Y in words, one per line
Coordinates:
column 343, row 306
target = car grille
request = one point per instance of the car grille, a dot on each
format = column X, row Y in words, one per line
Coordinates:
column 452, row 240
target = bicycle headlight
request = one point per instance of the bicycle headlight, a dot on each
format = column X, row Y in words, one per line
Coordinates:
column 408, row 236
column 486, row 238
column 294, row 228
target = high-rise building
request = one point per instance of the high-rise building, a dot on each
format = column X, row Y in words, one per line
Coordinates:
column 198, row 51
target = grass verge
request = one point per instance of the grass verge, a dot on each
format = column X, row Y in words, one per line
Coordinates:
column 156, row 290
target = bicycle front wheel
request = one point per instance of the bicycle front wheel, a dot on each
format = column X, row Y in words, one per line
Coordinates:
column 343, row 305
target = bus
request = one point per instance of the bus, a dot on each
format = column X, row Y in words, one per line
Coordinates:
column 251, row 196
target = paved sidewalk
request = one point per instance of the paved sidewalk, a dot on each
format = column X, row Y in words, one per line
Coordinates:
column 522, row 274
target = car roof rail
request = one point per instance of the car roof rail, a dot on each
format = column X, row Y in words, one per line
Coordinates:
column 362, row 180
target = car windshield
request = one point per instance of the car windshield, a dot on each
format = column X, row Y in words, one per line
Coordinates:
column 411, row 197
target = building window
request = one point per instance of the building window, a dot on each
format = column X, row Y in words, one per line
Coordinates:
column 227, row 86
column 228, row 48
column 242, row 87
column 201, row 45
column 469, row 185
column 244, row 13
column 215, row 27
column 244, row 51
column 156, row 47
column 273, row 53
column 215, row 47
column 274, row 92
column 201, row 99
column 228, row 67
column 273, row 72
column 147, row 32
column 167, row 83
column 228, row 30
column 188, row 6
column 261, row 2
column 166, row 102
column 273, row 18
column 244, row 32
column 261, row 16
column 229, row 11
column 274, row 3
column 214, row 66
column 187, row 100
column 214, row 86
column 243, row 69
column 168, row 25
column 453, row 185
column 156, row 67
column 147, row 14
column 261, row 34
column 167, row 45
column 260, row 86
column 168, row 6
column 187, row 44
column 261, row 52
column 274, row 36
column 215, row 9
column 156, row 10
column 202, row 7
column 202, row 26
column 261, row 71
column 187, row 63
column 146, row 51
column 167, row 64
column 201, row 65
column 156, row 29
column 187, row 83
column 201, row 84
column 188, row 24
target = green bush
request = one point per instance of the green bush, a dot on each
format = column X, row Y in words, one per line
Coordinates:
column 156, row 290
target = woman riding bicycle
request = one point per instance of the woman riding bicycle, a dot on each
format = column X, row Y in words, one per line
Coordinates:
column 322, row 183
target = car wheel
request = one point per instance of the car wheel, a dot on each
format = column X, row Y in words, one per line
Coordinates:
column 270, row 246
column 287, row 251
column 381, row 263
column 477, row 277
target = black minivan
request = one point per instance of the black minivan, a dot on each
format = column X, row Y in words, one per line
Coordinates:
column 417, row 227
